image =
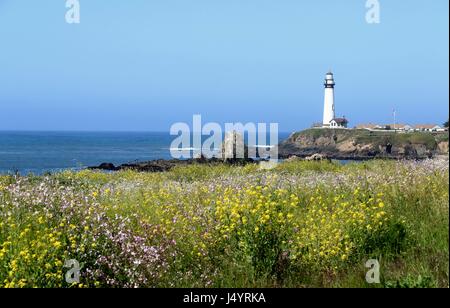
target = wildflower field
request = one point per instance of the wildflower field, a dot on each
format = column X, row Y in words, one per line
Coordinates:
column 302, row 224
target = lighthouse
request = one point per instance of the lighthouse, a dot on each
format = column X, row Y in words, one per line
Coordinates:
column 328, row 110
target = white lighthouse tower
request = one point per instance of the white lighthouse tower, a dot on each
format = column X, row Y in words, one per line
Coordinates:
column 328, row 110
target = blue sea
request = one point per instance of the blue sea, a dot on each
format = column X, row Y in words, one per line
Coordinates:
column 40, row 152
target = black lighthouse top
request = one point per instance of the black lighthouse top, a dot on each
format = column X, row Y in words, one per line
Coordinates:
column 329, row 80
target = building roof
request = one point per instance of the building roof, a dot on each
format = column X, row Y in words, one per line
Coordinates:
column 382, row 126
column 397, row 125
column 340, row 120
column 367, row 126
column 426, row 126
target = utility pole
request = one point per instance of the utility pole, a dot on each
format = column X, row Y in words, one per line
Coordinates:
column 395, row 120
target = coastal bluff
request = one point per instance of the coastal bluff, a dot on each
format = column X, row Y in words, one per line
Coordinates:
column 362, row 144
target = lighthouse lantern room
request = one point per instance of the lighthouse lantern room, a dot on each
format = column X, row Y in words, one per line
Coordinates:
column 329, row 111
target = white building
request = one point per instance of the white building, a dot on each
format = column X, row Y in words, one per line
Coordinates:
column 428, row 128
column 329, row 114
column 407, row 128
column 338, row 123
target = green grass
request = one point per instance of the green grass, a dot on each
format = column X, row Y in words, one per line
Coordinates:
column 441, row 137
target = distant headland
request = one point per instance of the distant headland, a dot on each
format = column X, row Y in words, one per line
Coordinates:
column 365, row 144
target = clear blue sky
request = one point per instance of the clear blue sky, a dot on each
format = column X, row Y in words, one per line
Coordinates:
column 145, row 64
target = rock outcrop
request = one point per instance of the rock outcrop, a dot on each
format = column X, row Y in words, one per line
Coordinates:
column 234, row 147
column 443, row 147
column 316, row 157
column 364, row 144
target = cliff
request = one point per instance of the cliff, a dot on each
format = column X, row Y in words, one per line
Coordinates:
column 364, row 144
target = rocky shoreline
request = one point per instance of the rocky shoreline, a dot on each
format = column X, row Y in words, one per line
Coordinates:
column 162, row 165
column 321, row 144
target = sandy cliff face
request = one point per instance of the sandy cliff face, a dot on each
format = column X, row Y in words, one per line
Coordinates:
column 443, row 147
column 361, row 144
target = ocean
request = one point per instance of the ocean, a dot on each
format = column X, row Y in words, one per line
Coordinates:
column 40, row 152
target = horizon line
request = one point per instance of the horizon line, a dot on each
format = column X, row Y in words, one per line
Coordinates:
column 97, row 131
